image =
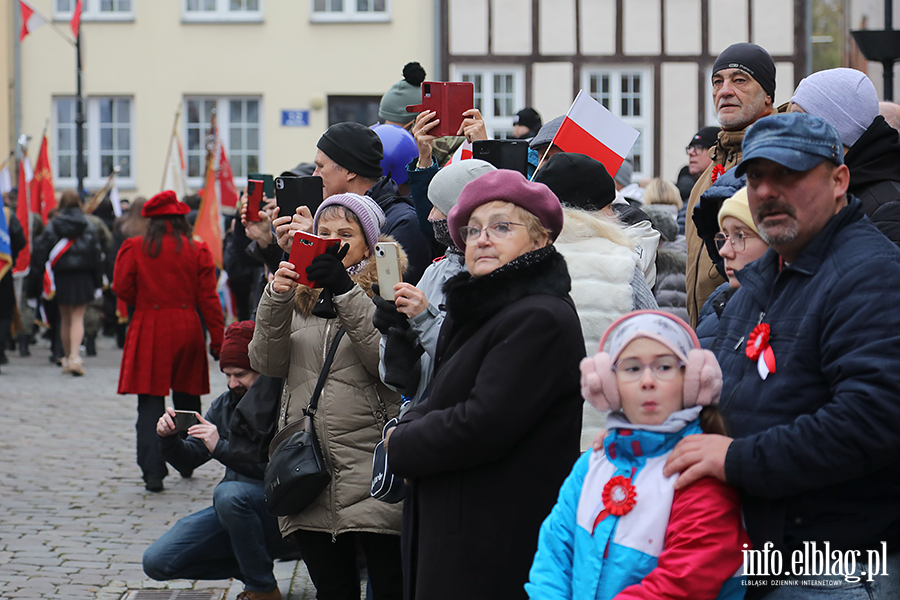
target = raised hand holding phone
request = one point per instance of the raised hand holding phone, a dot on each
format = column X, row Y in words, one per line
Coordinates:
column 206, row 432
column 287, row 226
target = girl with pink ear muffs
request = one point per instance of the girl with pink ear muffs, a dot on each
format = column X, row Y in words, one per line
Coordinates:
column 619, row 528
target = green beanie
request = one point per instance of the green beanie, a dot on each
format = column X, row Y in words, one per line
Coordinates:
column 406, row 91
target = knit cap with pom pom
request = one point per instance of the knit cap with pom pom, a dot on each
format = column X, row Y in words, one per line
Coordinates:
column 406, row 91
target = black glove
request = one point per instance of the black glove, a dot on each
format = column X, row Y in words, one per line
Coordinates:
column 401, row 356
column 328, row 271
column 386, row 314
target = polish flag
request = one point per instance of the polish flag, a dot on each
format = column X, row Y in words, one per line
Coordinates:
column 76, row 19
column 31, row 19
column 592, row 130
column 464, row 152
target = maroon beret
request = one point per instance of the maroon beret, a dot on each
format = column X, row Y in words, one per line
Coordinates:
column 164, row 204
column 234, row 353
column 506, row 185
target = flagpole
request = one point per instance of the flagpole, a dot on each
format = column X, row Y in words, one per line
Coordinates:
column 169, row 150
column 79, row 119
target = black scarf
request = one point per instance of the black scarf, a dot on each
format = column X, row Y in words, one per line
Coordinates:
column 541, row 271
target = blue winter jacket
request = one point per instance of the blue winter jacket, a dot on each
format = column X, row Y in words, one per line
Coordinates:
column 817, row 448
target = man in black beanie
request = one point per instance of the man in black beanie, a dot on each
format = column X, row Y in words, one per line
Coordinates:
column 348, row 160
column 743, row 83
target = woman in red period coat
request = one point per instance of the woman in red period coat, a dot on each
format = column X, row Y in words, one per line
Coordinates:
column 170, row 280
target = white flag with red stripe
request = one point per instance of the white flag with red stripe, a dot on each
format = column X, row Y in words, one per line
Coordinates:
column 61, row 247
column 464, row 152
column 31, row 19
column 592, row 130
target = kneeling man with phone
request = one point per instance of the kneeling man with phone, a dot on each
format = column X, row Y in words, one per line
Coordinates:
column 235, row 537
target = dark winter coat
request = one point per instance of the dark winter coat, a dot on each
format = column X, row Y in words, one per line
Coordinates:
column 489, row 449
column 189, row 453
column 817, row 449
column 874, row 163
column 165, row 346
column 401, row 223
column 708, row 320
column 16, row 243
column 84, row 255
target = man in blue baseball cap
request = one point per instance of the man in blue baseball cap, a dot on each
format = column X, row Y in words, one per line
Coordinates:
column 810, row 354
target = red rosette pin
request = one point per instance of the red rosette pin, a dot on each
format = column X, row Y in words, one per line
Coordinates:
column 717, row 170
column 619, row 498
column 758, row 342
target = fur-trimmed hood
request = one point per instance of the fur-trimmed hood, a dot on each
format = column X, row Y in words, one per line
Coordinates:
column 541, row 271
column 305, row 297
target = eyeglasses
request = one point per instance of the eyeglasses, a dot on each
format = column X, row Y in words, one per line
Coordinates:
column 663, row 368
column 738, row 240
column 497, row 231
column 695, row 149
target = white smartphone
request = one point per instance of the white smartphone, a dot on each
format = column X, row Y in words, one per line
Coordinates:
column 387, row 262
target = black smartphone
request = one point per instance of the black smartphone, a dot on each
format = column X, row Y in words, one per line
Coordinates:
column 268, row 183
column 185, row 419
column 503, row 154
column 294, row 192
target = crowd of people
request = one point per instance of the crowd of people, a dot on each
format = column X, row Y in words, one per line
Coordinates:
column 734, row 328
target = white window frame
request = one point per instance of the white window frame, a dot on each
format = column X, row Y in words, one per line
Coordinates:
column 94, row 179
column 222, row 14
column 223, row 109
column 90, row 11
column 349, row 14
column 644, row 123
column 494, row 123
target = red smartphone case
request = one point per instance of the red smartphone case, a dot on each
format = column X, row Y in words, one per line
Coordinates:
column 304, row 249
column 449, row 99
column 254, row 198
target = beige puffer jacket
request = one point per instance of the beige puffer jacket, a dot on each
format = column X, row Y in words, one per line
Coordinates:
column 290, row 342
column 702, row 278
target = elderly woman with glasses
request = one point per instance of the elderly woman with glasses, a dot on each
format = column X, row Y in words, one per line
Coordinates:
column 488, row 450
column 738, row 244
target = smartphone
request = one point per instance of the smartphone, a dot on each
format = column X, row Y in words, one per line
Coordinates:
column 387, row 264
column 449, row 99
column 254, row 198
column 304, row 249
column 268, row 183
column 185, row 419
column 503, row 154
column 294, row 192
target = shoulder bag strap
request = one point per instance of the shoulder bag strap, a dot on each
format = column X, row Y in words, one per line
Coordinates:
column 314, row 401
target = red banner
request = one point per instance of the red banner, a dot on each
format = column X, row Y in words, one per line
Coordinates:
column 206, row 227
column 43, row 196
column 24, row 259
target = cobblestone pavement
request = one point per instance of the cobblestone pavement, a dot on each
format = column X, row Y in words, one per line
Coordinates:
column 74, row 516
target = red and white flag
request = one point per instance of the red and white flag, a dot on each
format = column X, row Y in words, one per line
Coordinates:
column 592, row 130
column 31, row 19
column 464, row 152
column 76, row 19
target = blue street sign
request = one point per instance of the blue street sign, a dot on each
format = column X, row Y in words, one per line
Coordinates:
column 295, row 118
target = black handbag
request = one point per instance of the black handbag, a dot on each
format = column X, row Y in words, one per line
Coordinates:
column 296, row 473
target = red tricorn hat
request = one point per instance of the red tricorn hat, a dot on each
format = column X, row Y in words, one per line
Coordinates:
column 164, row 204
